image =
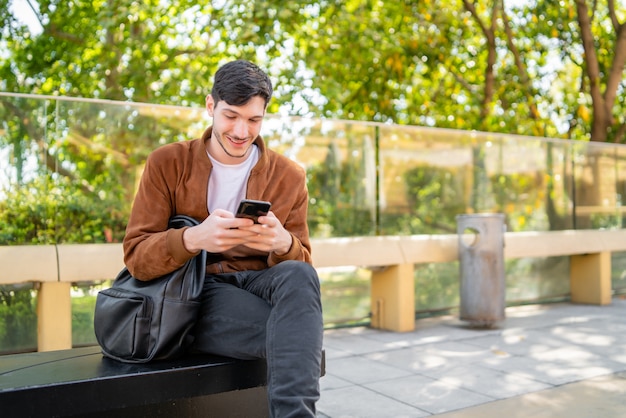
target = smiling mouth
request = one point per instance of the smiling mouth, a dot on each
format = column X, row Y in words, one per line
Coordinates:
column 236, row 141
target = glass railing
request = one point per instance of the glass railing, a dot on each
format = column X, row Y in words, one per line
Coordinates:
column 70, row 169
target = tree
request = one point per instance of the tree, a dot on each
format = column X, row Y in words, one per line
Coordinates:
column 604, row 74
column 495, row 66
column 492, row 66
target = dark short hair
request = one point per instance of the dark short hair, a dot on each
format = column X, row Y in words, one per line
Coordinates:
column 239, row 81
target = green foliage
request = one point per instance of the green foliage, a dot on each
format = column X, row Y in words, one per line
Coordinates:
column 18, row 318
column 82, row 317
column 435, row 197
column 436, row 286
column 346, row 295
column 149, row 51
column 339, row 205
column 48, row 211
column 492, row 66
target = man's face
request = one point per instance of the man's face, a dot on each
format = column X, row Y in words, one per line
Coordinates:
column 234, row 128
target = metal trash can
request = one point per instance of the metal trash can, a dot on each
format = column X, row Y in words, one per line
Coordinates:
column 481, row 261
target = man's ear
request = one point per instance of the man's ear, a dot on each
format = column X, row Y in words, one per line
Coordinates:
column 210, row 105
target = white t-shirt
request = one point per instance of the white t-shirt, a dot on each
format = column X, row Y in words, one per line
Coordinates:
column 228, row 183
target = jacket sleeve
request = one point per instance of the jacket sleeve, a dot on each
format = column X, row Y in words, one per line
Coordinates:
column 296, row 224
column 150, row 248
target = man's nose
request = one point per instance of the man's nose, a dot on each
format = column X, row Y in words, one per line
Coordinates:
column 241, row 129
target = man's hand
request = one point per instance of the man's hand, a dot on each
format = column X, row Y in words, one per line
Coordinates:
column 268, row 235
column 219, row 232
column 222, row 231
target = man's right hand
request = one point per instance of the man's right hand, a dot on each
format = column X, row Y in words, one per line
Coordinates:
column 217, row 233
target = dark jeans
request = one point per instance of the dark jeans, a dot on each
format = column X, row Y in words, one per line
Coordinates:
column 274, row 314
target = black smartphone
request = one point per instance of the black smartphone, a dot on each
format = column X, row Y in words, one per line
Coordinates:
column 253, row 209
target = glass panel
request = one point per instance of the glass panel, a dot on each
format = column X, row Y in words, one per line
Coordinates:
column 618, row 273
column 429, row 176
column 600, row 172
column 422, row 180
column 345, row 295
column 25, row 202
column 537, row 279
column 25, row 209
column 437, row 287
column 70, row 167
column 18, row 318
column 339, row 158
column 83, row 303
column 101, row 149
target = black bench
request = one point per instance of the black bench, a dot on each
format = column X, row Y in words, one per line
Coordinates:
column 81, row 382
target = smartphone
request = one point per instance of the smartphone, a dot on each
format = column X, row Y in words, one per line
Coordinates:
column 253, row 209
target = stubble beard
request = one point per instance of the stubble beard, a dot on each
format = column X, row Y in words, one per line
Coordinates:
column 219, row 140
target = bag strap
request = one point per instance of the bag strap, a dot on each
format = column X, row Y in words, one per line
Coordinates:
column 178, row 221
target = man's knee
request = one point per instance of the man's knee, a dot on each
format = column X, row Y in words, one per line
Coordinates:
column 296, row 280
column 300, row 271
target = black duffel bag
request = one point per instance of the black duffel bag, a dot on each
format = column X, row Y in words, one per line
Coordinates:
column 138, row 321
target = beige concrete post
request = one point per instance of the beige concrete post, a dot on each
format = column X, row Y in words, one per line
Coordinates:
column 393, row 298
column 54, row 316
column 590, row 278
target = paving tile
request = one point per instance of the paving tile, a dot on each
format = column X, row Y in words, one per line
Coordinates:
column 522, row 342
column 359, row 370
column 329, row 382
column 334, row 353
column 428, row 394
column 351, row 343
column 552, row 372
column 603, row 397
column 445, row 330
column 493, row 383
column 432, row 356
column 542, row 361
column 360, row 402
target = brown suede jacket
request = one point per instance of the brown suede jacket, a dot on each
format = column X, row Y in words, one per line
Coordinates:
column 175, row 181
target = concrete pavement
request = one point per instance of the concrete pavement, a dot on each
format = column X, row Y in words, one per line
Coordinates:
column 554, row 360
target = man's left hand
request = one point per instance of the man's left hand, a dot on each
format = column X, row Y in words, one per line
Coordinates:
column 270, row 235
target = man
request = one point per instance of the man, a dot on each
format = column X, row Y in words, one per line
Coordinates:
column 261, row 296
